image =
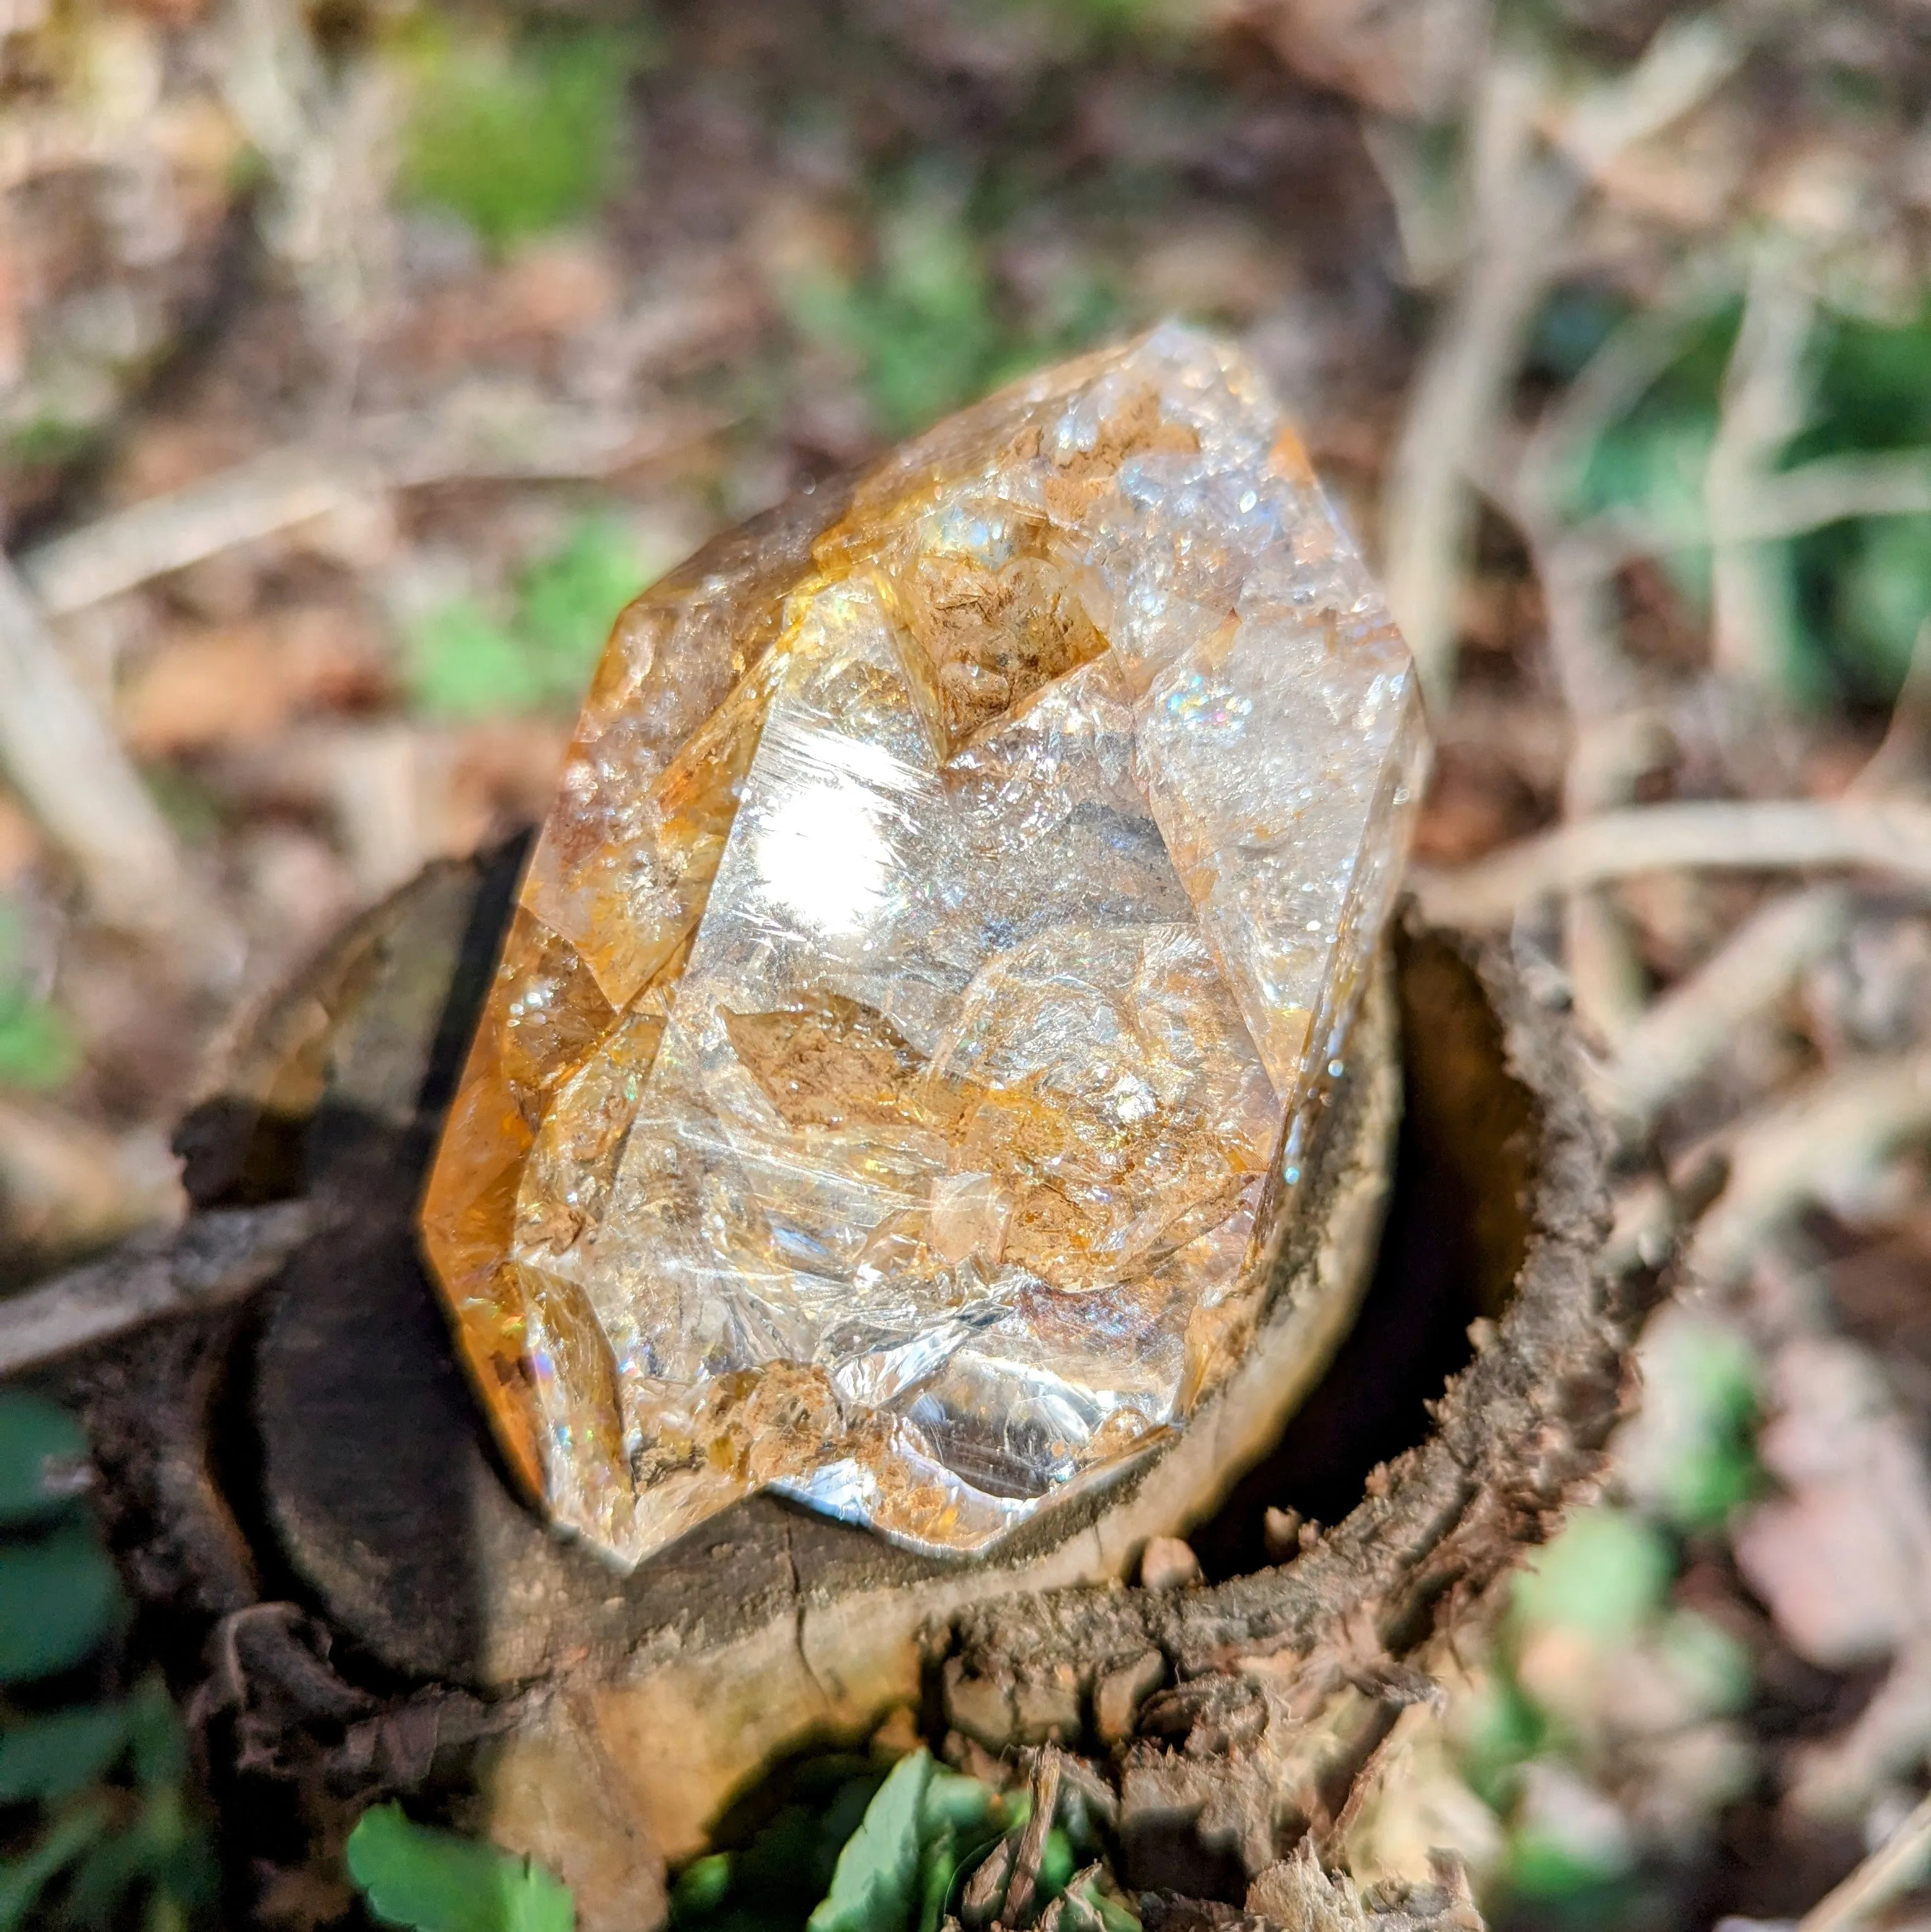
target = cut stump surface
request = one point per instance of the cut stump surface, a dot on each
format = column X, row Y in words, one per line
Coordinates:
column 302, row 1461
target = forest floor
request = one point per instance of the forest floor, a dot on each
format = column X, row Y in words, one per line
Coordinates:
column 356, row 365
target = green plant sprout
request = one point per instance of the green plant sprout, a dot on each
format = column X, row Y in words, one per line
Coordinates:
column 37, row 1048
column 94, row 1811
column 463, row 661
column 887, row 1854
column 516, row 139
column 1599, row 1595
column 926, row 324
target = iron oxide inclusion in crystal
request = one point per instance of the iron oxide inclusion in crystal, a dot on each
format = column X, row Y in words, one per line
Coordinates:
column 891, row 1089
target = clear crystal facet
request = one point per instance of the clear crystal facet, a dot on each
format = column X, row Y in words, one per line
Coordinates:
column 890, row 1090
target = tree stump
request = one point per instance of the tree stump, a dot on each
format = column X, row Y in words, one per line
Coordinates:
column 299, row 1469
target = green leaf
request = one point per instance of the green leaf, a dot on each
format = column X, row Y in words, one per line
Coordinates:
column 568, row 602
column 1542, row 1866
column 1605, row 1576
column 939, row 1866
column 926, row 324
column 43, row 1463
column 160, row 1743
column 163, row 1853
column 59, row 1597
column 1115, row 1915
column 1502, row 1730
column 44, row 1759
column 460, row 663
column 37, row 1048
column 954, row 1801
column 1692, row 1459
column 874, row 1887
column 702, row 1886
column 1057, row 1863
column 437, row 1882
column 23, row 1879
column 958, row 1818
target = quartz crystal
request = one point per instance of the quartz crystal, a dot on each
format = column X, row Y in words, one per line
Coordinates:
column 892, row 1088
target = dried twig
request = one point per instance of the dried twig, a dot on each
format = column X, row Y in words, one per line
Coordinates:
column 76, row 778
column 1763, row 408
column 1521, row 209
column 1899, row 760
column 1889, row 834
column 326, row 139
column 216, row 1257
column 483, row 431
column 252, row 500
column 68, row 1185
column 1523, row 201
column 1830, row 490
column 1615, row 740
column 1831, row 1134
column 1769, row 507
column 1687, row 1030
column 1900, row 1864
column 1018, row 1910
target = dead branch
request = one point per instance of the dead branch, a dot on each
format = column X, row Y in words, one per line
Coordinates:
column 1900, row 760
column 1887, row 835
column 219, row 1256
column 75, row 777
column 253, row 499
column 1830, row 1134
column 1762, row 409
column 1898, row 1866
column 70, row 1185
column 1687, row 1031
column 1523, row 201
column 1521, row 207
column 482, row 431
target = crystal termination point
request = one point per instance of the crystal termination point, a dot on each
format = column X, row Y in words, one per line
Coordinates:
column 892, row 1087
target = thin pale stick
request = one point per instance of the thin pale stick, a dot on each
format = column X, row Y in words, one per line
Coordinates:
column 76, row 778
column 464, row 440
column 1898, row 1865
column 1831, row 1134
column 1686, row 1031
column 1889, row 834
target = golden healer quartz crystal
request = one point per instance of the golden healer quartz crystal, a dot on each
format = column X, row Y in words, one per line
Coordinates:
column 891, row 1091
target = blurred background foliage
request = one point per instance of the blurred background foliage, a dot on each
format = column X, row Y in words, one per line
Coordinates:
column 515, row 136
column 97, row 1826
